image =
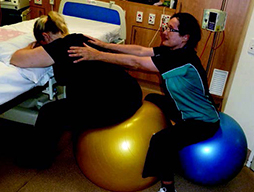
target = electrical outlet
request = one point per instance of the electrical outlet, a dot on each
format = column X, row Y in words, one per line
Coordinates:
column 164, row 20
column 39, row 2
column 139, row 17
column 151, row 19
column 251, row 47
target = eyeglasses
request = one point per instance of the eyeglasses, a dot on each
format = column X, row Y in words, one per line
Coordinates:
column 169, row 29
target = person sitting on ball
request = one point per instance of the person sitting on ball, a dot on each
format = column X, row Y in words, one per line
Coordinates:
column 187, row 100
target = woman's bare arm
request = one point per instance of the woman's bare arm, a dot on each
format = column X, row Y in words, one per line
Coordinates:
column 130, row 61
column 123, row 48
column 31, row 57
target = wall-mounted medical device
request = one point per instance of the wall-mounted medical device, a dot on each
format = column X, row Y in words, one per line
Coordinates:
column 14, row 4
column 214, row 20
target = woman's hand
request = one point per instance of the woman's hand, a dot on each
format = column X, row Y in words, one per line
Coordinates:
column 96, row 41
column 86, row 53
column 32, row 45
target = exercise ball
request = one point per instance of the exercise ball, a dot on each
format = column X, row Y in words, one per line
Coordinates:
column 218, row 159
column 113, row 157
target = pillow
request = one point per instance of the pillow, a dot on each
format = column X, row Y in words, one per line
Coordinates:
column 6, row 34
column 7, row 48
column 38, row 75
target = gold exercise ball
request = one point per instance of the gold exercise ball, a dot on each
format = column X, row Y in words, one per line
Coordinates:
column 113, row 157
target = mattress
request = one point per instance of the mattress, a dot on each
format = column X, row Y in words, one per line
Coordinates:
column 14, row 80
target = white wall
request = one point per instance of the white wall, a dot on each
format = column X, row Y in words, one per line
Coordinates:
column 240, row 103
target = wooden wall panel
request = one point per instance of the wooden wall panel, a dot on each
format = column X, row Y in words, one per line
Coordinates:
column 237, row 11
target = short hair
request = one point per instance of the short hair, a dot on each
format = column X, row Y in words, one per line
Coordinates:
column 188, row 25
column 53, row 22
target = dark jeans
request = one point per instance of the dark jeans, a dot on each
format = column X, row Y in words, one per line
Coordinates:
column 164, row 145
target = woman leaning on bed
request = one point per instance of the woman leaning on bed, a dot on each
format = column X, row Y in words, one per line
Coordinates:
column 98, row 94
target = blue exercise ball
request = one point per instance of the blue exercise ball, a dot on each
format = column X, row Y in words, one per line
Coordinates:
column 218, row 159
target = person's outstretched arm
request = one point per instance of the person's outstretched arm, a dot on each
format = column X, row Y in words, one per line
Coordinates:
column 124, row 48
column 130, row 61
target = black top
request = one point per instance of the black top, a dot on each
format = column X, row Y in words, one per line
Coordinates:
column 95, row 76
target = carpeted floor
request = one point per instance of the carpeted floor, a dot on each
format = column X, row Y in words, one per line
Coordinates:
column 65, row 175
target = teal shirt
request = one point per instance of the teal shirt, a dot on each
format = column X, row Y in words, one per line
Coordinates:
column 186, row 83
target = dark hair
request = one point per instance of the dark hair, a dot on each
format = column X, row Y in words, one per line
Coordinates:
column 188, row 25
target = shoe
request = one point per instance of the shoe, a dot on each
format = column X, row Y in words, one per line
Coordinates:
column 164, row 189
column 32, row 159
column 32, row 162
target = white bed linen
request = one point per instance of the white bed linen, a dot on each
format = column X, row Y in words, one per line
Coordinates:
column 103, row 31
column 12, row 83
column 15, row 81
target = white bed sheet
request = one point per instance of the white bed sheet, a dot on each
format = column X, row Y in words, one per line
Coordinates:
column 12, row 83
column 15, row 81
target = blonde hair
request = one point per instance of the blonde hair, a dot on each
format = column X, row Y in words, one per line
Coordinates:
column 53, row 22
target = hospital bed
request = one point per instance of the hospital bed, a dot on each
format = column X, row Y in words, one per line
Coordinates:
column 105, row 21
